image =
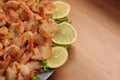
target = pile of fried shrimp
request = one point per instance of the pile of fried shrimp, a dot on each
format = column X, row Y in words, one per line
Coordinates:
column 26, row 34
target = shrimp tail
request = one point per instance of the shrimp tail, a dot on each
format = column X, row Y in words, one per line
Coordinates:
column 31, row 45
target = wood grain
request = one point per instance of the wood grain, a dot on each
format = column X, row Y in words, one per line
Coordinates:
column 96, row 53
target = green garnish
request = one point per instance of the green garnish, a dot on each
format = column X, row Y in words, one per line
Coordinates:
column 60, row 20
column 65, row 46
column 44, row 67
column 35, row 78
column 65, row 19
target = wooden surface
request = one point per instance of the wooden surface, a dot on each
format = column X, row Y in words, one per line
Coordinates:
column 96, row 53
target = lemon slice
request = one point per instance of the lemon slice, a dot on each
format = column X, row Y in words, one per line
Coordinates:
column 62, row 9
column 65, row 35
column 58, row 57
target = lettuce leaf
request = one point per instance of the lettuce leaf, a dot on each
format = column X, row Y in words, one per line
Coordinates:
column 44, row 67
column 65, row 46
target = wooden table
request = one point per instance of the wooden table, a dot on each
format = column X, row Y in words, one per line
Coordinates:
column 96, row 53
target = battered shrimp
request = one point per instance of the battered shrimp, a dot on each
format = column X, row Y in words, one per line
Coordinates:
column 50, row 26
column 48, row 6
column 2, row 78
column 33, row 4
column 21, row 40
column 42, row 52
column 11, row 51
column 3, row 30
column 26, row 34
column 12, row 4
column 20, row 28
column 4, row 19
column 4, row 65
column 11, row 72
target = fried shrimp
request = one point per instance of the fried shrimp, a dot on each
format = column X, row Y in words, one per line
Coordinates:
column 26, row 34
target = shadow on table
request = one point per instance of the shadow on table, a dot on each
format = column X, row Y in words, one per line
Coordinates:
column 110, row 8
